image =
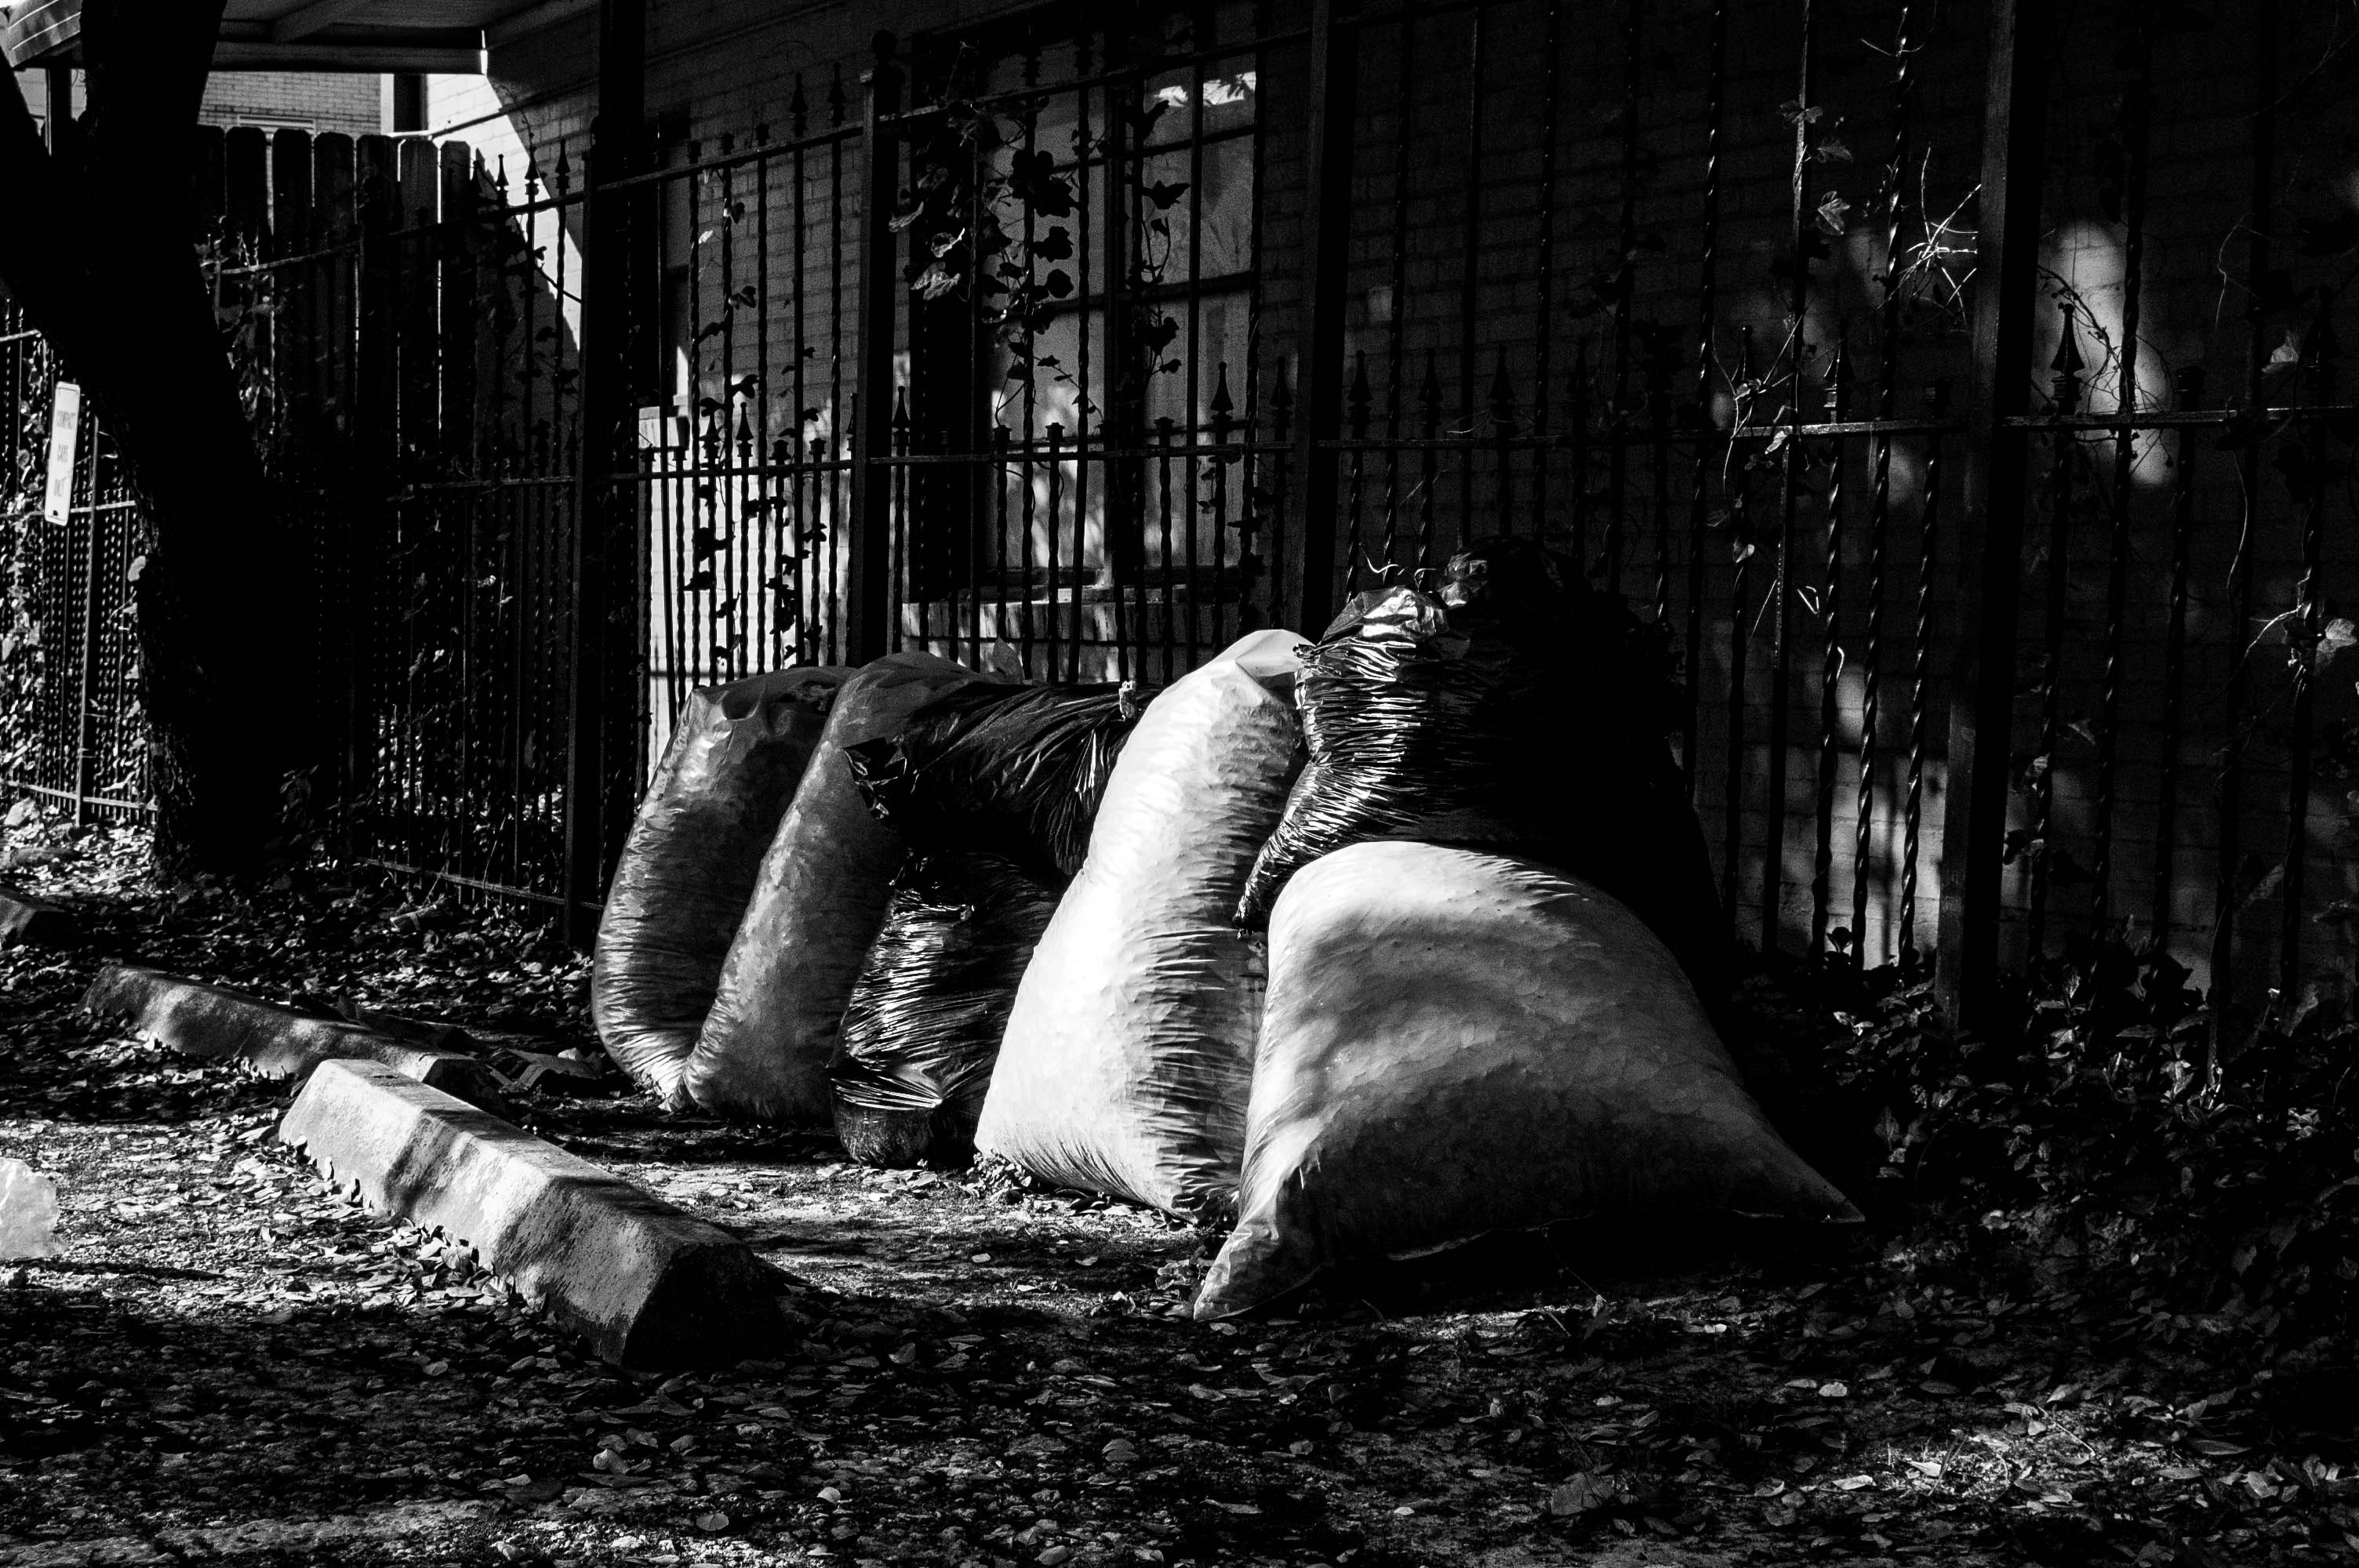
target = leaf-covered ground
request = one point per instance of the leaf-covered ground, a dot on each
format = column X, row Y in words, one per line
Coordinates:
column 228, row 1362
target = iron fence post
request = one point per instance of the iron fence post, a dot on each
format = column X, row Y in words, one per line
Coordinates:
column 868, row 593
column 1990, row 546
column 606, row 418
column 86, row 693
column 1334, row 97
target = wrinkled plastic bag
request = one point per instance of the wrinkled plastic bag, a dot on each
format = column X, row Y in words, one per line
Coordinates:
column 29, row 1213
column 1128, row 1054
column 689, row 868
column 772, row 1030
column 1457, row 1043
column 1018, row 773
column 923, row 1025
column 1516, row 711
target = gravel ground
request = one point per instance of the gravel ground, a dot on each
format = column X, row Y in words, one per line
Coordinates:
column 228, row 1361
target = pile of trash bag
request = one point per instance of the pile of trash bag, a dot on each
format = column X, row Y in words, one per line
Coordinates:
column 951, row 913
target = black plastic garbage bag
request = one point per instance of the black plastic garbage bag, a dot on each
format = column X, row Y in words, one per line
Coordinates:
column 1017, row 772
column 766, row 1046
column 1457, row 1043
column 1515, row 711
column 688, row 867
column 926, row 1016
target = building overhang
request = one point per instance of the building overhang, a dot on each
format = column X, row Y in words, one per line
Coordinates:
column 432, row 36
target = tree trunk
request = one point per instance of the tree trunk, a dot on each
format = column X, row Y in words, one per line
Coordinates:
column 100, row 251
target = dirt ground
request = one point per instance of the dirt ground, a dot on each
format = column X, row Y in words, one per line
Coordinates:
column 228, row 1362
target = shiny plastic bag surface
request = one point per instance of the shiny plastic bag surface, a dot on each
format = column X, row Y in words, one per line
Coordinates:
column 689, row 868
column 1017, row 772
column 1128, row 1054
column 924, row 1023
column 817, row 904
column 1513, row 710
column 1457, row 1043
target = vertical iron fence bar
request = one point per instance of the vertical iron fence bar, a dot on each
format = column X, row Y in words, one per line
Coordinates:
column 765, row 526
column 1428, row 395
column 1781, row 587
column 999, row 460
column 734, row 446
column 1397, row 327
column 1990, row 543
column 1625, row 239
column 2259, row 218
column 1354, row 543
column 1273, row 527
column 837, row 470
column 1937, row 401
column 1503, row 429
column 1084, row 252
column 1163, row 432
column 1733, row 784
column 1659, row 442
column 1224, row 408
column 2319, row 352
column 1879, row 518
column 2067, row 398
column 1707, row 310
column 810, row 621
column 604, row 430
column 1026, row 505
column 1543, row 321
column 2137, row 114
column 1124, row 502
column 1056, row 483
column 1576, row 438
column 1829, row 666
column 1335, row 102
column 2174, row 657
column 899, row 538
column 868, row 568
column 1470, row 256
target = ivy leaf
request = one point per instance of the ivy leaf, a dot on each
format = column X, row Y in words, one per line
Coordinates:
column 1164, row 193
column 935, row 281
column 1057, row 244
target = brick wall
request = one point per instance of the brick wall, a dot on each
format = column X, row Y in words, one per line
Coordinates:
column 312, row 101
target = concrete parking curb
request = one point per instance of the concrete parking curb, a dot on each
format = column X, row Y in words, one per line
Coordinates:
column 36, row 921
column 215, row 1022
column 645, row 1285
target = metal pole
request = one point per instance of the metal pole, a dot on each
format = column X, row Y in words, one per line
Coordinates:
column 1990, row 545
column 606, row 424
column 867, row 600
column 1334, row 96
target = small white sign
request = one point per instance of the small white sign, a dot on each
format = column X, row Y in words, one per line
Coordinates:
column 65, row 432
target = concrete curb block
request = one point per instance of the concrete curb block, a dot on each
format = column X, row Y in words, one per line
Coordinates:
column 647, row 1285
column 36, row 921
column 212, row 1022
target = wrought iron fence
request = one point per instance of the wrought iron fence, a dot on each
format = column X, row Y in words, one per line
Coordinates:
column 1100, row 345
column 70, row 728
